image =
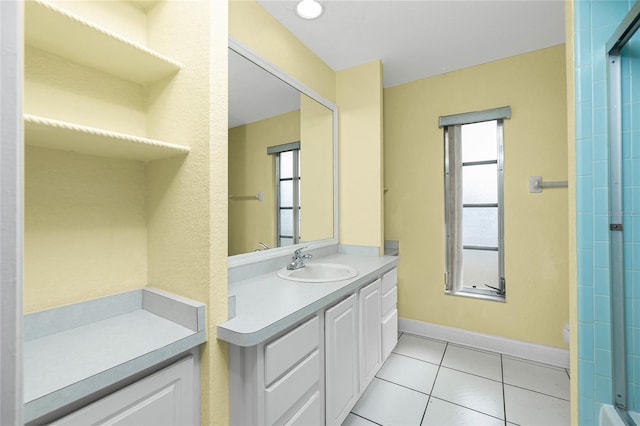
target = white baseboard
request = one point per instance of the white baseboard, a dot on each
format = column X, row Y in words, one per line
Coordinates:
column 517, row 348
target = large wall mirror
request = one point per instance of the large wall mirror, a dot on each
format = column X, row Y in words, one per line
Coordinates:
column 282, row 160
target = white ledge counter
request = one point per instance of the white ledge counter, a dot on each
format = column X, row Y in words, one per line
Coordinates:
column 267, row 304
column 76, row 351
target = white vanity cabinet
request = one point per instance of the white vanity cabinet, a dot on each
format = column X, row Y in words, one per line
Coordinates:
column 341, row 328
column 278, row 382
column 314, row 370
column 165, row 398
column 389, row 310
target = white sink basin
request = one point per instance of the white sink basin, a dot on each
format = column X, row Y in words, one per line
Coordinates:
column 319, row 273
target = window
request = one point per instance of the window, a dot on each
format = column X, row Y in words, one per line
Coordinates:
column 287, row 160
column 474, row 208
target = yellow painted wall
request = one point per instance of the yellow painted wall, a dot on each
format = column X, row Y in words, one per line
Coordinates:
column 254, row 27
column 536, row 239
column 82, row 95
column 215, row 398
column 316, row 165
column 571, row 149
column 359, row 97
column 85, row 227
column 188, row 198
column 97, row 226
column 251, row 170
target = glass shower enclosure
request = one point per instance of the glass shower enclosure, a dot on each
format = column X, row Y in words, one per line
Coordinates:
column 623, row 74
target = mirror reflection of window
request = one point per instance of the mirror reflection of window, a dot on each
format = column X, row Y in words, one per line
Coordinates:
column 288, row 189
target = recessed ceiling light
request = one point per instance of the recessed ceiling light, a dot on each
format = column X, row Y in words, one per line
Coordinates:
column 309, row 9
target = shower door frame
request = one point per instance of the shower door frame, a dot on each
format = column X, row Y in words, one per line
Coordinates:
column 623, row 33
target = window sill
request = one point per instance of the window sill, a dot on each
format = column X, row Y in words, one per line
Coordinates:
column 478, row 294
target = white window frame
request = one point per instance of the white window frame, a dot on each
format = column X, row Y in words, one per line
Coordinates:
column 452, row 126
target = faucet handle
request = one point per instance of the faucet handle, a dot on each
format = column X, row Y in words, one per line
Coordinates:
column 298, row 252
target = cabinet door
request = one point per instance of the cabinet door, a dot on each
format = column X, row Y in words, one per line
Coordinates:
column 370, row 333
column 164, row 398
column 341, row 348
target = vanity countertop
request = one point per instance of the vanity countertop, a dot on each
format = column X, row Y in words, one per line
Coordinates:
column 266, row 304
column 78, row 350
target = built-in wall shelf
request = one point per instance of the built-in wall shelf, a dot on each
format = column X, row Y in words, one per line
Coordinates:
column 144, row 5
column 55, row 134
column 59, row 32
column 79, row 350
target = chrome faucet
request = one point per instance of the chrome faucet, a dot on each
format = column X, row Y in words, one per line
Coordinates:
column 298, row 259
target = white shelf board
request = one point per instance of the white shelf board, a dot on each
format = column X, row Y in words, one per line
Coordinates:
column 49, row 133
column 59, row 32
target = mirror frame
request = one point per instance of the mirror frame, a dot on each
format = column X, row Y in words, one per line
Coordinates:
column 254, row 257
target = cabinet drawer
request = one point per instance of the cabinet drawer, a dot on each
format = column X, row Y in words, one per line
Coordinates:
column 287, row 391
column 389, row 300
column 284, row 352
column 389, row 280
column 389, row 333
column 309, row 414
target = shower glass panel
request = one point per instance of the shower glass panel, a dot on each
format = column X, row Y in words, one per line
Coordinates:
column 623, row 50
column 630, row 100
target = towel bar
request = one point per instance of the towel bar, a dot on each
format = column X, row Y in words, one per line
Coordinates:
column 536, row 184
column 246, row 197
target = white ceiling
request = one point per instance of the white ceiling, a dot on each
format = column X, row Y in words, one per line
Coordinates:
column 421, row 38
column 413, row 38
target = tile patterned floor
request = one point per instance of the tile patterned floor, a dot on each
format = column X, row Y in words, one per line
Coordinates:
column 427, row 382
